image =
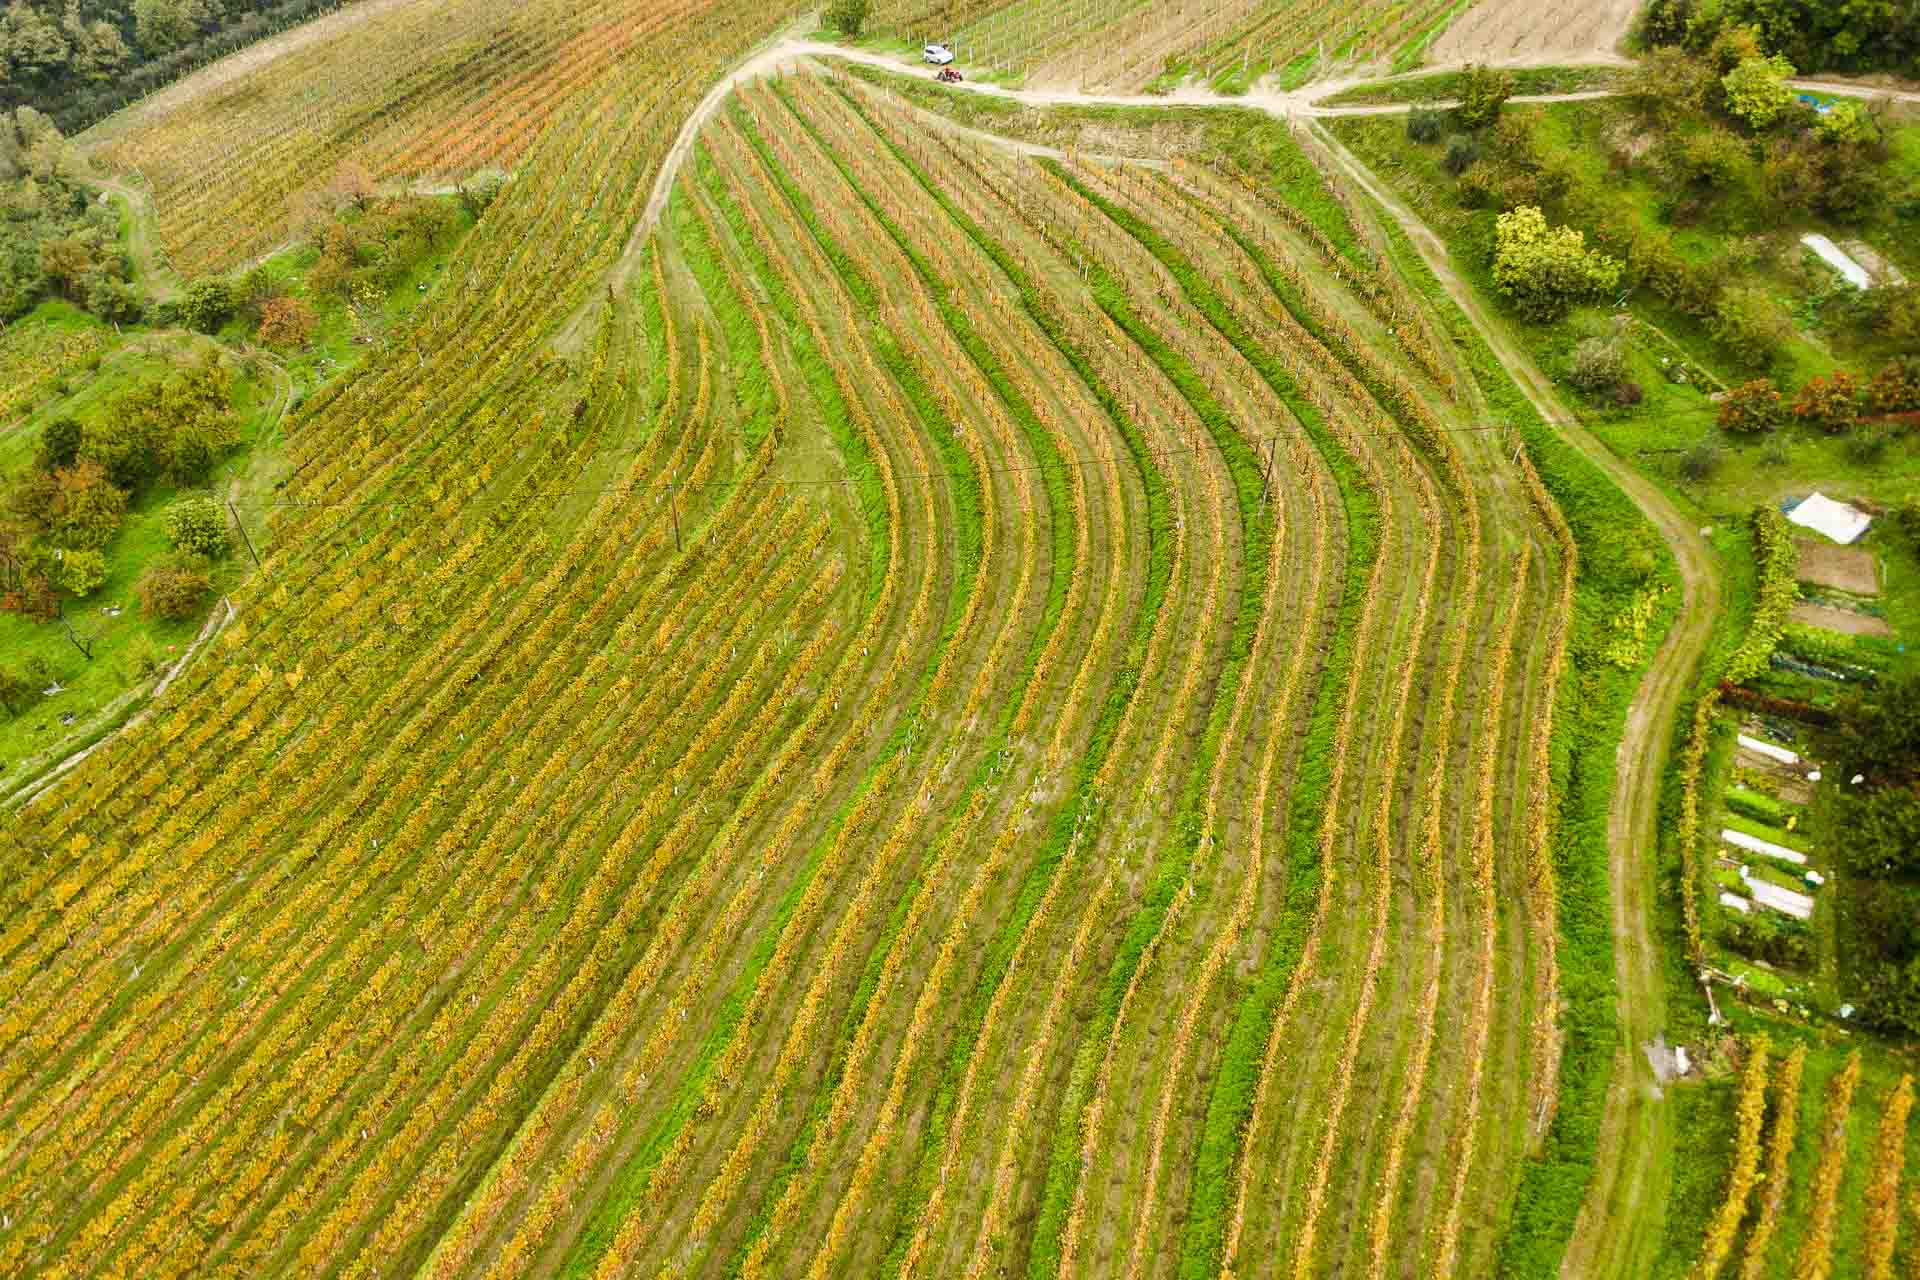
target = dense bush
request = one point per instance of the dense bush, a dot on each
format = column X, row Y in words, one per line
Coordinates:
column 1896, row 388
column 1424, row 124
column 77, row 506
column 1597, row 366
column 1757, row 90
column 1545, row 270
column 848, row 17
column 1749, row 323
column 197, row 524
column 1831, row 403
column 1483, row 92
column 1462, row 151
column 82, row 572
column 1868, row 445
column 1763, row 935
column 1753, row 408
column 176, row 587
column 286, row 322
column 1699, row 464
column 207, row 305
column 59, row 445
column 1881, row 831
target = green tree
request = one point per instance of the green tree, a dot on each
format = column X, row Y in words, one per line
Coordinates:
column 1749, row 323
column 161, row 26
column 1882, row 736
column 17, row 692
column 207, row 305
column 197, row 524
column 1831, row 403
column 1544, row 270
column 1708, row 158
column 1757, row 90
column 82, row 571
column 1896, row 388
column 849, row 17
column 88, row 508
column 1483, row 92
column 1846, row 123
column 1424, row 124
column 1598, row 366
column 176, row 587
column 59, row 445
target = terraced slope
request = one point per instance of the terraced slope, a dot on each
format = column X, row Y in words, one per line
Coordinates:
column 959, row 713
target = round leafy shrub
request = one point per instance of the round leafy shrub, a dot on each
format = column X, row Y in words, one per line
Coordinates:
column 1831, row 403
column 1753, row 408
column 1544, row 270
column 1895, row 389
column 207, row 305
column 1424, row 124
column 176, row 587
column 198, row 526
column 82, row 572
column 1598, row 366
column 1462, row 151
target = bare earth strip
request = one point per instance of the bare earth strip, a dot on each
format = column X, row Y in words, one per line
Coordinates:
column 1526, row 31
column 1842, row 568
column 1845, row 621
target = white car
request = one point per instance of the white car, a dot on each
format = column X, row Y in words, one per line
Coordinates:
column 937, row 55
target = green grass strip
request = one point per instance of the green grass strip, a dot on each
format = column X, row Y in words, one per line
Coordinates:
column 1042, row 308
column 1238, row 1077
column 862, row 468
column 1589, row 718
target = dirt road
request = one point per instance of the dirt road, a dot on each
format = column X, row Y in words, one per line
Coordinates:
column 1618, row 1224
column 143, row 238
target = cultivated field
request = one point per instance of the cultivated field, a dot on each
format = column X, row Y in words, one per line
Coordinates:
column 1525, row 32
column 955, row 710
column 1125, row 45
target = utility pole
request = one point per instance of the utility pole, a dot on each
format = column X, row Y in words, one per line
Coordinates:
column 673, row 505
column 240, row 524
column 1266, row 478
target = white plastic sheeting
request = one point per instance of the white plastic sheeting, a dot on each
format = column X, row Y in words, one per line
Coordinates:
column 1837, row 520
column 1768, row 750
column 1766, row 848
column 1735, row 902
column 1783, row 900
column 1836, row 257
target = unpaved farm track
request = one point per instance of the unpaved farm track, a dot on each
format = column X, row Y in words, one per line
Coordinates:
column 1615, row 1231
column 1619, row 1221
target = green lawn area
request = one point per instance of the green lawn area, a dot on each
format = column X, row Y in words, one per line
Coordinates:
column 1674, row 424
column 1444, row 86
column 127, row 646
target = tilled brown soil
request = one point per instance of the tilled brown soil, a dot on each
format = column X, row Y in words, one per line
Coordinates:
column 1516, row 31
column 1842, row 568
